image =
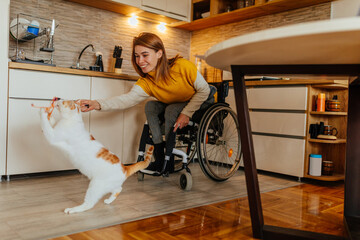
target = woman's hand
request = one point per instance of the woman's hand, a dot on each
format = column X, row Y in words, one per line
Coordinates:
column 181, row 122
column 88, row 105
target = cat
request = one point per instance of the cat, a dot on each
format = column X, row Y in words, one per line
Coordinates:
column 103, row 168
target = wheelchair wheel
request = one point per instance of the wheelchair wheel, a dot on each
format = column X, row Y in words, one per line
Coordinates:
column 218, row 143
column 185, row 143
column 186, row 181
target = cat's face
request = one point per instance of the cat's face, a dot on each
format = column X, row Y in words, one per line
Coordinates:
column 68, row 107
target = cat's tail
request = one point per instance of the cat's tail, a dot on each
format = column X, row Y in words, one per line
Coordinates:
column 131, row 169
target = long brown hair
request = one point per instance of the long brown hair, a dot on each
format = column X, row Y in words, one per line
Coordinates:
column 152, row 41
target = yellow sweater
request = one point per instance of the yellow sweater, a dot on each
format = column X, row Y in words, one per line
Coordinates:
column 180, row 88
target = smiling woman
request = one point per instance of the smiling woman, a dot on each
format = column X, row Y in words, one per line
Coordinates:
column 176, row 84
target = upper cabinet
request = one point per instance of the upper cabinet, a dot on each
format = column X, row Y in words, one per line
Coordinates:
column 134, row 3
column 178, row 9
column 168, row 11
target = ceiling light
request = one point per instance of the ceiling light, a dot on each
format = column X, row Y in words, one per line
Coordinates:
column 133, row 20
column 161, row 27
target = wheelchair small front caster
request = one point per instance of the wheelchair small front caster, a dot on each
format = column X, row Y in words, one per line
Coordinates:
column 140, row 176
column 186, row 181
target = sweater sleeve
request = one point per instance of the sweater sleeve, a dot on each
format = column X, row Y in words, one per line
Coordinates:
column 202, row 91
column 124, row 101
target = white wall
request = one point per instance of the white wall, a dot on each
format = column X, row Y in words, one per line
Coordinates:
column 344, row 8
column 4, row 46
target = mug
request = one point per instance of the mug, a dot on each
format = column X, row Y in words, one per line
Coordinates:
column 332, row 105
column 330, row 131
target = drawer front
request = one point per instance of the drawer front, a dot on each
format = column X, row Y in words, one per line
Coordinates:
column 280, row 155
column 44, row 85
column 279, row 123
column 286, row 98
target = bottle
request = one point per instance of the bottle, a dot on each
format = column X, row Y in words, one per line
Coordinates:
column 320, row 106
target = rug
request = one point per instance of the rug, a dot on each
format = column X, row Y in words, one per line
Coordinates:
column 32, row 208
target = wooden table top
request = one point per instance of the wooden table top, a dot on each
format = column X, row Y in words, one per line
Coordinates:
column 335, row 41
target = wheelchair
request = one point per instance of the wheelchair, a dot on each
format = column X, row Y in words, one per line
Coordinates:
column 212, row 137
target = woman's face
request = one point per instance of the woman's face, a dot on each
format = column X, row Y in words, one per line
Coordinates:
column 146, row 58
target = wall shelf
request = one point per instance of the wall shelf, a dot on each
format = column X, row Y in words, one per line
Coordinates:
column 337, row 141
column 329, row 113
column 272, row 7
column 334, row 177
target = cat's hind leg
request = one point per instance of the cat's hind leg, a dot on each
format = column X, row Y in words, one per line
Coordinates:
column 113, row 196
column 93, row 194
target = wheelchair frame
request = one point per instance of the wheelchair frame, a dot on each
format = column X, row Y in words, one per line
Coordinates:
column 204, row 132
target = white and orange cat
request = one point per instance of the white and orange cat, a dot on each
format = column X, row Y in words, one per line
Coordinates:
column 104, row 169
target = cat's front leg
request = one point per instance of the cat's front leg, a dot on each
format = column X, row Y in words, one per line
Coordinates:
column 46, row 127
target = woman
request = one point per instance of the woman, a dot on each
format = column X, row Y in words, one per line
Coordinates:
column 175, row 83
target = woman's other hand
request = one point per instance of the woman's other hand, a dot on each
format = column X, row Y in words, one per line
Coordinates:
column 182, row 121
column 88, row 105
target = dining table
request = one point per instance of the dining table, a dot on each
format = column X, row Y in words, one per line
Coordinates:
column 324, row 48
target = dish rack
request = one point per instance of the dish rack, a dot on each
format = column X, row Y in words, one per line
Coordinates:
column 32, row 36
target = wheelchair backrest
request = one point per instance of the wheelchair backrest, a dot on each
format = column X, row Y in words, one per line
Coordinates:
column 222, row 90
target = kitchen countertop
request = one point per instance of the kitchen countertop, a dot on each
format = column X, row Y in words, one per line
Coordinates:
column 292, row 81
column 44, row 68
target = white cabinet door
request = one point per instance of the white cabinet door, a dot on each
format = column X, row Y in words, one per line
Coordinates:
column 134, row 119
column 28, row 150
column 157, row 4
column 107, row 127
column 178, row 7
column 120, row 131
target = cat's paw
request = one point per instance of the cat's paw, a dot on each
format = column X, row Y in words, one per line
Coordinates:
column 109, row 200
column 81, row 208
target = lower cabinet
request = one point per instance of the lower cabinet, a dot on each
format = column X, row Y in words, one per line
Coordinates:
column 119, row 131
column 278, row 124
column 27, row 149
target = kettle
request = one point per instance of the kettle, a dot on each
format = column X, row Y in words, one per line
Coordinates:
column 99, row 61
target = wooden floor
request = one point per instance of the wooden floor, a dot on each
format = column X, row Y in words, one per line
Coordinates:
column 312, row 207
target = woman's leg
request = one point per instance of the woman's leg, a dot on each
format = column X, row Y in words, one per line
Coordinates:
column 172, row 112
column 152, row 110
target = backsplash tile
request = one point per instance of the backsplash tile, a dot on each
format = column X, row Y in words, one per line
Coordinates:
column 80, row 25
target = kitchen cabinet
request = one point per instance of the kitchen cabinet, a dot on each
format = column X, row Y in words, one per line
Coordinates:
column 120, row 131
column 134, row 120
column 167, row 11
column 331, row 150
column 28, row 151
column 178, row 9
column 278, row 124
column 280, row 117
column 133, row 3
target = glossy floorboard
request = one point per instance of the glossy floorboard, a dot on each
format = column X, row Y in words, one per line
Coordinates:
column 32, row 208
column 309, row 207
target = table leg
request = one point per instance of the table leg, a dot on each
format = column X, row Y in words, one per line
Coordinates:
column 352, row 179
column 247, row 147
